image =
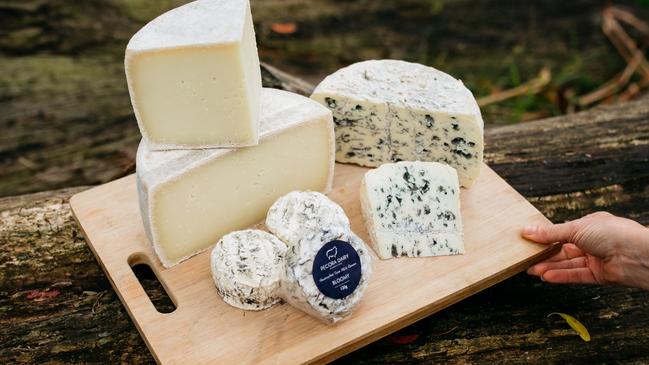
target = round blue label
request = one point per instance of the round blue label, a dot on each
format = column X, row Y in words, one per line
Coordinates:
column 337, row 269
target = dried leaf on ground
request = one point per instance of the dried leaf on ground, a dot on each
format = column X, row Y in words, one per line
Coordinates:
column 575, row 325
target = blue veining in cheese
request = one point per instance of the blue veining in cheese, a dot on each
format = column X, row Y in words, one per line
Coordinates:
column 389, row 111
column 412, row 209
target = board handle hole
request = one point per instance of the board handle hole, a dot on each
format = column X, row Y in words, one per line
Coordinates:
column 150, row 283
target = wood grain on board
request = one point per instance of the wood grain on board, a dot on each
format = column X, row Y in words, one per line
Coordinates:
column 401, row 291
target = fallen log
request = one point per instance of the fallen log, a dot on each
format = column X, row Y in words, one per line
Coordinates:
column 58, row 307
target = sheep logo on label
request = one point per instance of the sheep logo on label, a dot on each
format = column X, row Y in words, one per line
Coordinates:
column 336, row 269
column 332, row 253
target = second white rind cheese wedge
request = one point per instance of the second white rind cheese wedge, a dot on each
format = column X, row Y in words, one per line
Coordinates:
column 412, row 209
column 389, row 111
column 193, row 76
column 191, row 198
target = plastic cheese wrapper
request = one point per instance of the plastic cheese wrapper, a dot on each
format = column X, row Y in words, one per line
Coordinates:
column 327, row 267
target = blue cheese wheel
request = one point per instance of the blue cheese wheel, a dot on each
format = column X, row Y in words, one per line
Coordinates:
column 246, row 268
column 412, row 209
column 307, row 222
column 390, row 111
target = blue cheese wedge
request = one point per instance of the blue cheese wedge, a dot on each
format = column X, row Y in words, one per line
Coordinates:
column 246, row 268
column 390, row 111
column 327, row 267
column 412, row 209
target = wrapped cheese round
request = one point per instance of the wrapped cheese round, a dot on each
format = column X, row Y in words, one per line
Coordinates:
column 246, row 268
column 321, row 289
column 327, row 267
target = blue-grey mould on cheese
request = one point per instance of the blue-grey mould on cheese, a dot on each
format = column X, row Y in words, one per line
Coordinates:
column 308, row 221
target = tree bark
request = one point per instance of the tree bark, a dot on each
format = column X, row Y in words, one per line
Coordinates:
column 598, row 160
column 58, row 307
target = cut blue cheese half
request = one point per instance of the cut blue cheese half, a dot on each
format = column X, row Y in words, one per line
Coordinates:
column 390, row 111
column 412, row 209
column 327, row 267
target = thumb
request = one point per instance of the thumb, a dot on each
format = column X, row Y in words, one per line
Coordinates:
column 550, row 233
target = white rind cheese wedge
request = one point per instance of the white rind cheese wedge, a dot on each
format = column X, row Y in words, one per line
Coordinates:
column 191, row 198
column 412, row 209
column 246, row 268
column 389, row 111
column 194, row 79
column 308, row 221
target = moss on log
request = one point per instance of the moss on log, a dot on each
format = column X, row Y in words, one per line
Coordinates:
column 74, row 124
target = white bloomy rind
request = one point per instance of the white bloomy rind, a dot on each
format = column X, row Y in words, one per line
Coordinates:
column 193, row 76
column 191, row 198
column 301, row 213
column 389, row 111
column 412, row 209
column 317, row 221
column 246, row 268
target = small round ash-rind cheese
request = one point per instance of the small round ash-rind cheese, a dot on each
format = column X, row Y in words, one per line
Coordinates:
column 301, row 214
column 246, row 268
column 298, row 286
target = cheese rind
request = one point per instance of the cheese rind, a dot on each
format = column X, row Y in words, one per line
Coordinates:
column 191, row 198
column 412, row 209
column 389, row 111
column 301, row 211
column 246, row 268
column 193, row 77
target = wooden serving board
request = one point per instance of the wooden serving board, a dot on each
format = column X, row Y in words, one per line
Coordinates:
column 203, row 329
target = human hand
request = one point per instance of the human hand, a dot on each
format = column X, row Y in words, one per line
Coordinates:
column 599, row 248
